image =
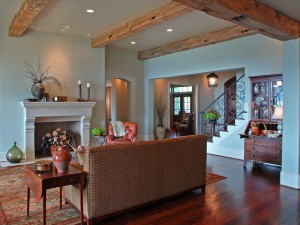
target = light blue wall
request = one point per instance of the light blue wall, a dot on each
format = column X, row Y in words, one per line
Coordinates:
column 291, row 145
column 71, row 59
column 259, row 55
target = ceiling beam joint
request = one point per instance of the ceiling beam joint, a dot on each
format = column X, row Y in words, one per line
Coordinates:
column 250, row 14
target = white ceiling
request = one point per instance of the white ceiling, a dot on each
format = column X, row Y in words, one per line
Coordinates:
column 112, row 13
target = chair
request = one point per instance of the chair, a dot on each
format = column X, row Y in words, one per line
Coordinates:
column 130, row 136
column 186, row 123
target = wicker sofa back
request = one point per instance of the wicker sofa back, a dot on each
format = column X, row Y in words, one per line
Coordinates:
column 125, row 176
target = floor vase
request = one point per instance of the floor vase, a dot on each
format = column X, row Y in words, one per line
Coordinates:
column 160, row 132
column 14, row 154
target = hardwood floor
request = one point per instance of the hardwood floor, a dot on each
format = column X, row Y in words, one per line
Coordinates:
column 247, row 196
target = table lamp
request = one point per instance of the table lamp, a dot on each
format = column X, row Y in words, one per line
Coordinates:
column 278, row 115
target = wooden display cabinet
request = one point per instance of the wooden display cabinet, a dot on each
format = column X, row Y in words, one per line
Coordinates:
column 266, row 94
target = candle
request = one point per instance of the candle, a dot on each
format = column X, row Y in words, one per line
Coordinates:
column 79, row 82
column 88, row 85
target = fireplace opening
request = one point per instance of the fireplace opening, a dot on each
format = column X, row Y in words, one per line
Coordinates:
column 42, row 128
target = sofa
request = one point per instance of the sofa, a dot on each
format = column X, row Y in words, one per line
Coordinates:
column 130, row 136
column 126, row 176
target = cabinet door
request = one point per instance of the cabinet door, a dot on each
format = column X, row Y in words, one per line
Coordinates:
column 267, row 93
column 277, row 93
column 260, row 99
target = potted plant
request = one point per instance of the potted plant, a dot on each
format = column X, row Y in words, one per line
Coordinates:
column 98, row 131
column 38, row 76
column 212, row 116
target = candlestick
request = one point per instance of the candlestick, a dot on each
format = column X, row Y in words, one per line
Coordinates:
column 80, row 94
column 89, row 93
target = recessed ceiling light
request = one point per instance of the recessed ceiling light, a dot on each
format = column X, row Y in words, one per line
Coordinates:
column 67, row 27
column 133, row 42
column 88, row 35
column 62, row 30
column 90, row 11
column 169, row 30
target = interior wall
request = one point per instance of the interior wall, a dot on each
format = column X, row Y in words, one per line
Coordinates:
column 124, row 64
column 71, row 59
column 290, row 173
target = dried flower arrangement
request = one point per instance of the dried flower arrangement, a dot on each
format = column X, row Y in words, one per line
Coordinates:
column 40, row 74
column 160, row 108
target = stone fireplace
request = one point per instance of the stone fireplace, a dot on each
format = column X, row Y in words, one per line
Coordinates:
column 77, row 113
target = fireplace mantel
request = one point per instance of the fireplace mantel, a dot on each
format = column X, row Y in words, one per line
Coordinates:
column 39, row 112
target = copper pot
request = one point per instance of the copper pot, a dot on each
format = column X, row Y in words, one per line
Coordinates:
column 255, row 130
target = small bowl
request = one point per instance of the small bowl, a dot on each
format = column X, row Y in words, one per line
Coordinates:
column 273, row 135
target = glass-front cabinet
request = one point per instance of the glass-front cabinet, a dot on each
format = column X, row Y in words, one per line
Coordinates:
column 266, row 94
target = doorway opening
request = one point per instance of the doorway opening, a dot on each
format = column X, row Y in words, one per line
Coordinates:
column 181, row 109
column 118, row 102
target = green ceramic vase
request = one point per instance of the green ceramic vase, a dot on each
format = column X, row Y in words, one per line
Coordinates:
column 14, row 154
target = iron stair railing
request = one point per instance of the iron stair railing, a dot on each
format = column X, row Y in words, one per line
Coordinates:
column 235, row 95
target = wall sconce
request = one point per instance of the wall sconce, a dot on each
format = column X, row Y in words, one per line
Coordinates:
column 212, row 80
column 278, row 115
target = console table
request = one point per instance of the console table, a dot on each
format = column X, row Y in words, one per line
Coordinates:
column 40, row 182
column 262, row 149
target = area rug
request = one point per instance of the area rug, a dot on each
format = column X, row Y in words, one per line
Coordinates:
column 13, row 195
column 212, row 177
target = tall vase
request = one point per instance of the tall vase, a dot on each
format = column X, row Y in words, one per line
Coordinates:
column 61, row 156
column 160, row 132
column 38, row 90
column 14, row 154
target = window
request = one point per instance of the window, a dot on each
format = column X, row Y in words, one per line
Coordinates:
column 181, row 89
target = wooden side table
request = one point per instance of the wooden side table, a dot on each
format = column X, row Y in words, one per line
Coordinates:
column 40, row 182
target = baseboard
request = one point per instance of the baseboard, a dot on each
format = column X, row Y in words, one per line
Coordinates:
column 225, row 152
column 3, row 156
column 290, row 179
column 145, row 137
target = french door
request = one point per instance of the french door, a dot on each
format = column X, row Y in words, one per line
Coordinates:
column 181, row 103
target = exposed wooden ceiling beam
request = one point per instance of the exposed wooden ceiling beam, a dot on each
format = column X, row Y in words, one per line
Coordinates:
column 27, row 12
column 204, row 40
column 250, row 14
column 166, row 12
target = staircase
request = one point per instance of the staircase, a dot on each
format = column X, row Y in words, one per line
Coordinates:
column 223, row 138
